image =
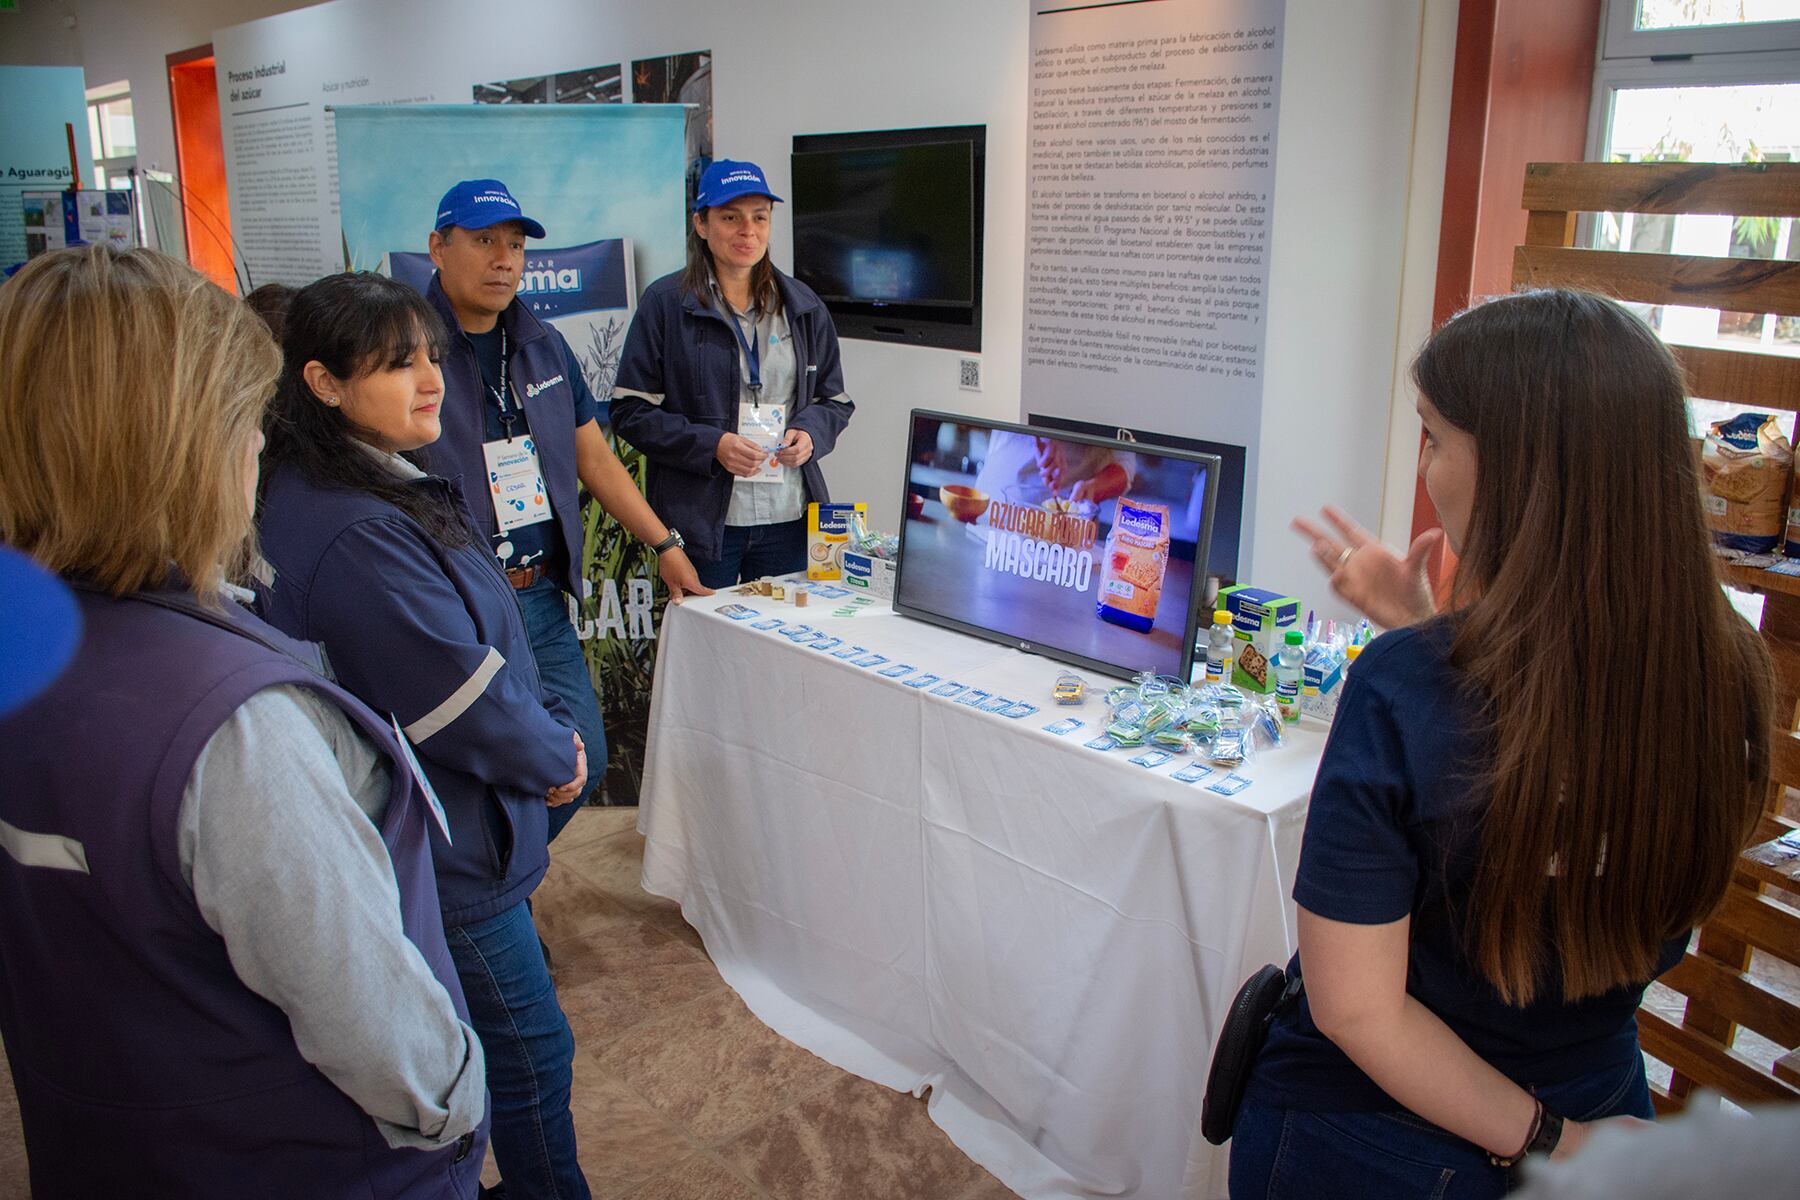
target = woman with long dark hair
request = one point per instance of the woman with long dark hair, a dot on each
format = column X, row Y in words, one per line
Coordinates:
column 1527, row 802
column 730, row 385
column 377, row 560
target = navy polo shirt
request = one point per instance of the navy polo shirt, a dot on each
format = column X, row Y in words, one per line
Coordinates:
column 541, row 543
column 1392, row 830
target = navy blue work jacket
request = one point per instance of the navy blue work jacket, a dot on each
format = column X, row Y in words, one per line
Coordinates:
column 676, row 395
column 435, row 637
column 540, row 367
column 144, row 1065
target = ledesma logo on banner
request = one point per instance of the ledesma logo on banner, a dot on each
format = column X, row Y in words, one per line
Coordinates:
column 556, row 281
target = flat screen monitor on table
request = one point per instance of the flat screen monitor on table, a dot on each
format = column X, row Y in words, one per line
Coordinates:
column 1078, row 548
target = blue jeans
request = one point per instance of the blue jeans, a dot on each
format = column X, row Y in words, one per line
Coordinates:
column 530, row 1054
column 1289, row 1154
column 564, row 671
column 753, row 551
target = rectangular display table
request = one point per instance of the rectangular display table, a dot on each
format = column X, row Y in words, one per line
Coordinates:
column 1045, row 935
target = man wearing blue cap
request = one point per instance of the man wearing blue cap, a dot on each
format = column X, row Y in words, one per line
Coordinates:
column 518, row 413
column 730, row 384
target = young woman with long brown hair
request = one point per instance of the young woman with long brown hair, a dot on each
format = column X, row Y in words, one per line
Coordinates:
column 1527, row 802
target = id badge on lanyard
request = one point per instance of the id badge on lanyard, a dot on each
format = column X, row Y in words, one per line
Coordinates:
column 516, row 482
column 432, row 802
column 515, row 476
column 764, row 424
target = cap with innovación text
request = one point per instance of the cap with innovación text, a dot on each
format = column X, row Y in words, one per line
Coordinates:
column 726, row 180
column 479, row 203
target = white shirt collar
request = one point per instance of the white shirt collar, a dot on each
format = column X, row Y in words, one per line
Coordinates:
column 393, row 462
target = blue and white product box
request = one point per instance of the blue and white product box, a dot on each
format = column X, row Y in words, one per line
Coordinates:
column 1321, row 682
column 868, row 574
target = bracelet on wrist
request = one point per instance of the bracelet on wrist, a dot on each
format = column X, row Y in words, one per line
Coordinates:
column 1537, row 1121
column 1542, row 1138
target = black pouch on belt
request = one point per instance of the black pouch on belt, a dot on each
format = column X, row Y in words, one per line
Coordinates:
column 1253, row 1010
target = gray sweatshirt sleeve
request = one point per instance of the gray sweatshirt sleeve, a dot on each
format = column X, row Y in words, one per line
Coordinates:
column 278, row 840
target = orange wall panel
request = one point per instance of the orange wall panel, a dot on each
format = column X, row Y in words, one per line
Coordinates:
column 200, row 153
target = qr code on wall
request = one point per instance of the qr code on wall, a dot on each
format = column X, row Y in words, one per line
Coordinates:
column 970, row 380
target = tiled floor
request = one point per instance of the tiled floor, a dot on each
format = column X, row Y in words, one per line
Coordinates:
column 681, row 1094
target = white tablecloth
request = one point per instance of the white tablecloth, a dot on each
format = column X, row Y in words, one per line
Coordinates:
column 1045, row 935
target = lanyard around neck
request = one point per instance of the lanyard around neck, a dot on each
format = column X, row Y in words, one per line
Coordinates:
column 501, row 393
column 752, row 352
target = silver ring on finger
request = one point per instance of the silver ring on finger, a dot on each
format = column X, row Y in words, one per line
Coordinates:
column 1344, row 556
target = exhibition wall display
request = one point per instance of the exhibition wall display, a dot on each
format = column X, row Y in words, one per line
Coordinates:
column 57, row 219
column 586, row 171
column 34, row 144
column 1152, row 177
column 279, row 79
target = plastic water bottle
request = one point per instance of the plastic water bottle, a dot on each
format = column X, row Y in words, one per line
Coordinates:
column 1219, row 642
column 1290, row 661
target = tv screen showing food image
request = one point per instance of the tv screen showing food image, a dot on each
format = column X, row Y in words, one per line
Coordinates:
column 1079, row 548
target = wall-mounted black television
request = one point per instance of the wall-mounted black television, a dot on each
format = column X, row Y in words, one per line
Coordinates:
column 888, row 231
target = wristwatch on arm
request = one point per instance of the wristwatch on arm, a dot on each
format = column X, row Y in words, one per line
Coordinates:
column 671, row 542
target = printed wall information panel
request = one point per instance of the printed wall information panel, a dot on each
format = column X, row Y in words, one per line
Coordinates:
column 278, row 79
column 38, row 103
column 1152, row 170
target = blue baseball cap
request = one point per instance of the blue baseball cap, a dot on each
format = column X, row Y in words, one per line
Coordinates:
column 40, row 629
column 478, row 203
column 725, row 180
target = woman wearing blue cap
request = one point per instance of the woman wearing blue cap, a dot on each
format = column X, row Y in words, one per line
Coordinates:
column 730, row 385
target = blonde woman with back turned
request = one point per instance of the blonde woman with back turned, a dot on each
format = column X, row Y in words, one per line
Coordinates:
column 222, row 966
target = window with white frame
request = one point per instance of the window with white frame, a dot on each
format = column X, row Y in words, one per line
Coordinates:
column 1701, row 81
column 112, row 133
